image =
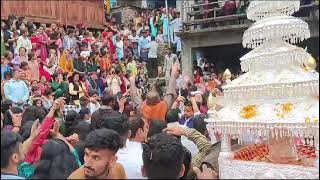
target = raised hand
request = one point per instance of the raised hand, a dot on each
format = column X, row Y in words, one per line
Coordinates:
column 16, row 118
column 35, row 129
column 175, row 130
column 206, row 173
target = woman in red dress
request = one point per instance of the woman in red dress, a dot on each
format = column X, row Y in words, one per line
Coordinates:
column 198, row 77
column 42, row 43
column 34, row 41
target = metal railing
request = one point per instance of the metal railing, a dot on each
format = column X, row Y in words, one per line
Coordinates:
column 187, row 15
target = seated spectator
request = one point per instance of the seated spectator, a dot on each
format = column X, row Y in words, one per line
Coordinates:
column 16, row 90
column 25, row 73
column 59, row 87
column 66, row 61
column 5, row 67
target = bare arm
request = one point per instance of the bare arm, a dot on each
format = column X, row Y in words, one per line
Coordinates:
column 134, row 93
column 171, row 89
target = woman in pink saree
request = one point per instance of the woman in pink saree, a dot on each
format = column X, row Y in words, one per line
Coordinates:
column 43, row 41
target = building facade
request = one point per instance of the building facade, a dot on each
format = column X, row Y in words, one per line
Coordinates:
column 88, row 12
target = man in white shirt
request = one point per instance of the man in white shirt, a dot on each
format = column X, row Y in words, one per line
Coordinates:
column 24, row 41
column 131, row 156
column 152, row 58
column 133, row 37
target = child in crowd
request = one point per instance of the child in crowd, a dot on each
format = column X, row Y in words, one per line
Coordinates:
column 132, row 66
column 51, row 62
column 25, row 73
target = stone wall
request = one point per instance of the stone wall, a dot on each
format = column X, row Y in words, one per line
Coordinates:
column 126, row 13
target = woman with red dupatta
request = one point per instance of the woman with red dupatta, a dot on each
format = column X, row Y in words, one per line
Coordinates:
column 42, row 44
column 34, row 41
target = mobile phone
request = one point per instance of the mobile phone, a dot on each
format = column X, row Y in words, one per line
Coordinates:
column 119, row 95
column 128, row 99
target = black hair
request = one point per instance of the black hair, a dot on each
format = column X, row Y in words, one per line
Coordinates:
column 56, row 161
column 54, row 76
column 104, row 139
column 80, row 147
column 82, row 129
column 33, row 113
column 199, row 124
column 25, row 130
column 72, row 119
column 5, row 105
column 193, row 88
column 172, row 116
column 136, row 123
column 188, row 103
column 92, row 92
column 8, row 73
column 7, row 119
column 68, row 99
column 9, row 146
column 162, row 156
column 186, row 161
column 185, row 93
column 83, row 112
column 107, row 100
column 70, row 31
column 47, row 91
column 84, row 101
column 156, row 127
column 117, row 122
column 23, row 64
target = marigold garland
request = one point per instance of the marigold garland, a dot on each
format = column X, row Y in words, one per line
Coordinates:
column 285, row 109
column 249, row 111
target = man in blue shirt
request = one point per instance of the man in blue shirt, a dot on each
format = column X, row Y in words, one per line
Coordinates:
column 4, row 68
column 143, row 46
column 69, row 41
column 16, row 90
column 187, row 118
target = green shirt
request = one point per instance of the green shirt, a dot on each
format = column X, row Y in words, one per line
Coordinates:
column 60, row 89
column 27, row 170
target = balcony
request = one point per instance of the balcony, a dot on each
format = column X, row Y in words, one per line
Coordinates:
column 208, row 17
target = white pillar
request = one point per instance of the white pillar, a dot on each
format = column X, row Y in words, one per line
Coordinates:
column 226, row 152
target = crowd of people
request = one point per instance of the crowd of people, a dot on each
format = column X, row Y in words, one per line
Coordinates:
column 78, row 104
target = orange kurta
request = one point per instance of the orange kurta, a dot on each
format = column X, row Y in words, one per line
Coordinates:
column 157, row 112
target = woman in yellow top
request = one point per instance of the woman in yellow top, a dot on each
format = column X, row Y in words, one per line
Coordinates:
column 66, row 61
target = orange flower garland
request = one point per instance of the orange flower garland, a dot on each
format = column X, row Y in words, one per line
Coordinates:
column 285, row 109
column 249, row 111
column 308, row 120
